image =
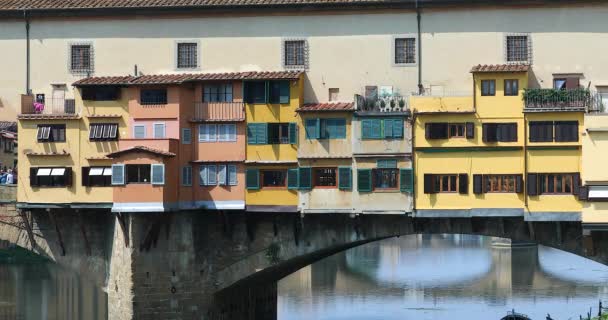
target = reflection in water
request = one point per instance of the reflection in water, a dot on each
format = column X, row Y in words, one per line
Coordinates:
column 443, row 277
column 40, row 290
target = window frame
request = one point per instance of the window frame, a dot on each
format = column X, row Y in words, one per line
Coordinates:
column 484, row 90
column 201, row 136
column 528, row 49
column 513, row 92
column 187, row 133
column 285, row 56
column 218, row 96
column 87, row 176
column 229, row 138
column 316, row 178
column 394, row 55
column 197, row 52
column 158, row 101
column 109, row 126
column 282, row 139
column 164, row 130
column 185, row 170
column 263, row 172
column 142, row 125
column 438, row 183
column 375, row 174
column 487, row 178
column 50, row 135
column 139, row 173
column 53, row 182
column 458, row 125
column 543, row 181
column 81, row 69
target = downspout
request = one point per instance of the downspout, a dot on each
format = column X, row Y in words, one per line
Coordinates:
column 418, row 18
column 525, row 178
column 413, row 161
column 27, row 52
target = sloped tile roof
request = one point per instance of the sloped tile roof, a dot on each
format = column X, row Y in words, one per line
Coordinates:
column 327, row 106
column 161, row 153
column 500, row 68
column 187, row 77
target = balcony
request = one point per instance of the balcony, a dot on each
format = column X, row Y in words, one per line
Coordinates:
column 570, row 100
column 51, row 107
column 374, row 105
column 219, row 111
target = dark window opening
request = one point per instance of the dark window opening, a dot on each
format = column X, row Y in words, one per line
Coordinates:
column 138, row 173
column 105, row 93
column 456, row 130
column 500, row 183
column 273, row 178
column 325, row 177
column 499, row 132
column 556, row 183
column 153, row 96
column 51, row 133
column 187, row 54
column 217, row 92
column 488, row 87
column 295, row 53
column 51, row 177
column 278, row 133
column 386, row 178
column 81, row 58
column 97, row 176
column 405, row 50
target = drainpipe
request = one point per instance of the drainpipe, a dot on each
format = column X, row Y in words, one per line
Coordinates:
column 27, row 52
column 418, row 18
column 413, row 162
column 525, row 178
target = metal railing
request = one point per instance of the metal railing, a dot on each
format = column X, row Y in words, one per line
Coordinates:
column 381, row 104
column 562, row 100
column 219, row 111
column 49, row 106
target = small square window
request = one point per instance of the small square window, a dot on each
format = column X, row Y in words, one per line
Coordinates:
column 334, row 94
column 295, row 54
column 488, row 87
column 187, row 55
column 511, row 87
column 81, row 58
column 405, row 51
column 153, row 96
column 518, row 48
column 456, row 130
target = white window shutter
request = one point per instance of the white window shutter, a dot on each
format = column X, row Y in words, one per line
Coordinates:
column 212, row 132
column 232, row 175
column 139, row 132
column 158, row 174
column 222, row 175
column 212, row 175
column 203, row 175
column 159, row 131
column 118, row 174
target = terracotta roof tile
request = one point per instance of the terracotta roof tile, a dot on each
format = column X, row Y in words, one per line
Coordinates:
column 188, row 77
column 141, row 149
column 42, row 116
column 327, row 106
column 500, row 68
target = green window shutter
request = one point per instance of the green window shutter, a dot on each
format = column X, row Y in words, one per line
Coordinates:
column 261, row 133
column 251, row 133
column 364, row 180
column 388, row 128
column 407, row 180
column 292, row 179
column 397, row 128
column 284, row 96
column 388, row 163
column 293, row 133
column 305, row 178
column 376, row 129
column 345, row 178
column 312, row 127
column 366, row 129
column 340, row 132
column 252, row 179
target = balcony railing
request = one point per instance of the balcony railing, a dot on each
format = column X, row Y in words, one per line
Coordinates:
column 219, row 111
column 540, row 100
column 50, row 106
column 381, row 104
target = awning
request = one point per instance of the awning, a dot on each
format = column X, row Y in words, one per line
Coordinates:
column 44, row 172
column 58, row 172
column 96, row 172
column 107, row 171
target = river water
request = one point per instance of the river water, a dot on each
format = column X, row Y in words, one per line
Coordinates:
column 443, row 277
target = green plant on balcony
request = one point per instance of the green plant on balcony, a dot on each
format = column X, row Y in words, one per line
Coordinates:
column 557, row 98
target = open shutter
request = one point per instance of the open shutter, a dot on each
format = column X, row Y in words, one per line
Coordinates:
column 305, row 178
column 478, row 184
column 398, row 128
column 33, row 177
column 158, row 174
column 576, row 183
column 345, row 178
column 251, row 133
column 292, row 179
column 470, row 126
column 69, row 177
column 519, row 183
column 232, row 175
column 118, row 174
column 532, row 186
column 364, row 180
column 284, row 92
column 313, row 127
column 583, row 193
column 293, row 133
column 406, row 177
column 85, row 176
column 427, row 131
column 252, row 179
column 262, row 133
column 463, row 183
column 428, row 184
column 222, row 175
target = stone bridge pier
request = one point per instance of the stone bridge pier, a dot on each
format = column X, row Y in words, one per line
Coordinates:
column 225, row 265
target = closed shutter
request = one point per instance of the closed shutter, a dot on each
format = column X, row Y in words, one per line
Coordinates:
column 490, row 132
column 232, row 175
column 428, row 131
column 470, row 126
column 211, row 175
column 478, row 184
column 252, row 179
column 376, row 129
column 203, row 175
column 428, row 184
column 118, row 174
column 69, row 177
column 222, row 175
column 85, row 176
column 397, row 128
column 512, row 132
column 251, row 133
column 463, row 183
column 313, row 127
column 583, row 193
column 406, row 177
column 388, row 128
column 364, row 180
column 366, row 129
column 186, row 136
column 293, row 133
column 572, row 83
column 158, row 174
column 340, row 129
column 519, row 184
column 292, row 179
column 261, row 136
column 33, row 177
column 437, row 130
column 345, row 178
column 284, row 92
column 305, row 178
column 541, row 131
column 566, row 131
column 532, row 185
column 576, row 183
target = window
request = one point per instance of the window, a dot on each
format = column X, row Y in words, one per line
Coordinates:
column 566, row 83
column 556, row 183
column 138, row 173
column 101, row 93
column 186, row 136
column 541, row 131
column 207, row 175
column 294, row 53
column 232, row 175
column 566, row 131
column 103, row 132
column 386, row 178
column 187, row 55
column 207, row 133
column 517, row 48
column 325, row 177
column 187, row 176
column 500, row 183
column 405, row 51
column 97, row 176
column 548, row 131
column 511, row 87
column 278, row 133
column 226, row 132
column 438, row 130
column 139, row 131
column 261, row 92
column 159, row 130
column 153, row 96
column 273, row 178
column 81, row 58
column 334, row 94
column 382, row 128
column 255, row 92
column 279, row 92
column 488, row 87
column 221, row 92
column 51, row 177
column 51, row 133
column 333, row 128
column 445, row 183
column 499, row 132
column 456, row 130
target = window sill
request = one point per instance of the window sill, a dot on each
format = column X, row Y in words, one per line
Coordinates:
column 386, row 191
column 414, row 64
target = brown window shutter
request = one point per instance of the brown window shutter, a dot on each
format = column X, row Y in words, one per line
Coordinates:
column 68, row 177
column 583, row 193
column 572, row 83
column 428, row 184
column 519, row 183
column 477, row 184
column 85, row 176
column 484, row 186
column 576, row 183
column 470, row 130
column 427, row 130
column 33, row 177
column 463, row 183
column 532, row 186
